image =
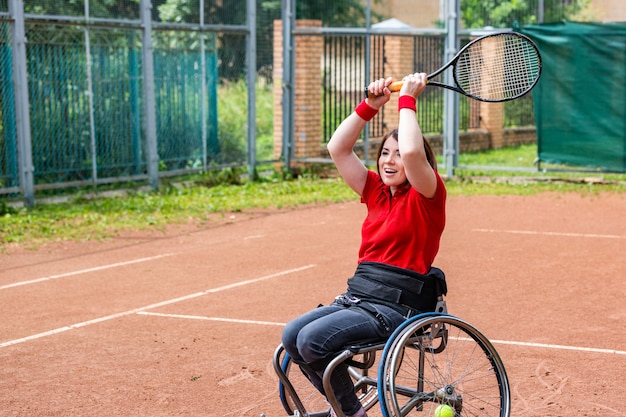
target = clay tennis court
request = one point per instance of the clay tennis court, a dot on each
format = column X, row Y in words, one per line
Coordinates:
column 185, row 323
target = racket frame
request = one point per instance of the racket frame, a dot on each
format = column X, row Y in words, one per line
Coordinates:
column 396, row 86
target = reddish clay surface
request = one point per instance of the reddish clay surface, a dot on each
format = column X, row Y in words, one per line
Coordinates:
column 185, row 323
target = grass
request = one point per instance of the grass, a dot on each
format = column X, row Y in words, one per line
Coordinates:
column 202, row 200
column 519, row 157
column 98, row 218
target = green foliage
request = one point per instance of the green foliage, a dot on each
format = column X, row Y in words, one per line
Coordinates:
column 264, row 123
column 100, row 8
column 519, row 113
column 517, row 156
column 228, row 176
column 507, row 13
column 232, row 122
column 6, row 209
column 175, row 10
column 476, row 14
column 333, row 13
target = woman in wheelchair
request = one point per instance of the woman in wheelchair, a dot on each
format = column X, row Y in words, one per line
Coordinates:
column 405, row 200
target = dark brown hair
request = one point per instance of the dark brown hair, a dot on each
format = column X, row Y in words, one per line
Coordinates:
column 430, row 154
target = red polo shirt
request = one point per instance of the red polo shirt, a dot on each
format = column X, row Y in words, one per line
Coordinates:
column 403, row 230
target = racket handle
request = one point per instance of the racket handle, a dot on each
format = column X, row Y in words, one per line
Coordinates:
column 393, row 87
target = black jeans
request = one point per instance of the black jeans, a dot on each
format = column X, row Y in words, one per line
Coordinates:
column 313, row 339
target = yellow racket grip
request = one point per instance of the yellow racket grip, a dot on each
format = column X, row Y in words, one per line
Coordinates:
column 394, row 87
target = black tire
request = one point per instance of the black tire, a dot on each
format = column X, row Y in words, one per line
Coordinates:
column 441, row 359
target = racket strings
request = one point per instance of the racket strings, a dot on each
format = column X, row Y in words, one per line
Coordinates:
column 498, row 68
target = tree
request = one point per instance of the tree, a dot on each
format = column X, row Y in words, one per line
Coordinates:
column 232, row 46
column 505, row 13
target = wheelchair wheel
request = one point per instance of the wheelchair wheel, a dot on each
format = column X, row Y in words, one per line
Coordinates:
column 312, row 400
column 441, row 359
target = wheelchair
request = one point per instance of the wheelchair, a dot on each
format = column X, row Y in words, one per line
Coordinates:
column 430, row 360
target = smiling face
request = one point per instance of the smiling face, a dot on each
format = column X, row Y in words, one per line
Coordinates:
column 390, row 165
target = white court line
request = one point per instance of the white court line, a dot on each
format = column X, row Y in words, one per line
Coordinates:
column 501, row 342
column 84, row 271
column 562, row 347
column 531, row 232
column 184, row 316
column 151, row 306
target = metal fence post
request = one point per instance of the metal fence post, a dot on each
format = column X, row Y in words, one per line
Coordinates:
column 22, row 111
column 92, row 122
column 450, row 98
column 203, row 84
column 152, row 156
column 288, row 18
column 251, row 81
column 368, row 58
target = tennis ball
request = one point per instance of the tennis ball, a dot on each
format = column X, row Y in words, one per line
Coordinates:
column 444, row 411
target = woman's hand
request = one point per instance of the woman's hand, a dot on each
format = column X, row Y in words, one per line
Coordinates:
column 414, row 84
column 379, row 94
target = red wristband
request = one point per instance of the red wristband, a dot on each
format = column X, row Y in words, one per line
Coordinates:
column 407, row 102
column 365, row 111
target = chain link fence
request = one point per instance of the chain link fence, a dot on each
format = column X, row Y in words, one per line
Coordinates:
column 122, row 90
column 102, row 91
column 8, row 149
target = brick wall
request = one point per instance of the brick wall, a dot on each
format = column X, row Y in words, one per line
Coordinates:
column 307, row 91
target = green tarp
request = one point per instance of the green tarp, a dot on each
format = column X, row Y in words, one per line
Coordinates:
column 580, row 100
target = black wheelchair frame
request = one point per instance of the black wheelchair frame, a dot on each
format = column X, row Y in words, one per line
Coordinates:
column 431, row 360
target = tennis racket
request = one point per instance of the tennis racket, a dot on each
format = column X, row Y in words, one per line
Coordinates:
column 493, row 68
